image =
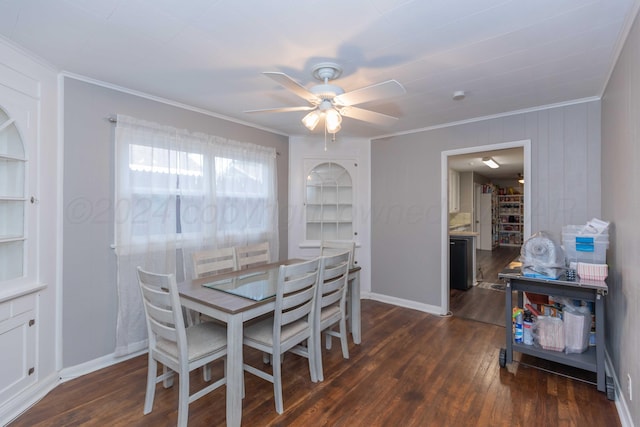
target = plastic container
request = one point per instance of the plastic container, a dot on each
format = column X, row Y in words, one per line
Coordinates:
column 592, row 271
column 583, row 245
column 549, row 333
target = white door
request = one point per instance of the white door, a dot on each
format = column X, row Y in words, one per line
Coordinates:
column 485, row 240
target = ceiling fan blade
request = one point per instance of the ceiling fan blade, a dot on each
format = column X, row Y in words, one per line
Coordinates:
column 282, row 109
column 387, row 89
column 295, row 87
column 368, row 116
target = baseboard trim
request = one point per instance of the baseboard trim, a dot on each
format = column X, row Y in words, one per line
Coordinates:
column 621, row 403
column 72, row 372
column 27, row 398
column 427, row 308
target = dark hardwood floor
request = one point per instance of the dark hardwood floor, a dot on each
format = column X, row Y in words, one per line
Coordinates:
column 484, row 305
column 412, row 369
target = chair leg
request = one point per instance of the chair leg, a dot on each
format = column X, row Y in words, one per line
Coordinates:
column 317, row 349
column 343, row 338
column 277, row 383
column 327, row 337
column 168, row 377
column 206, row 372
column 313, row 368
column 183, row 398
column 152, row 372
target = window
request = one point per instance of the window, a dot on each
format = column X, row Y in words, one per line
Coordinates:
column 162, row 181
column 180, row 186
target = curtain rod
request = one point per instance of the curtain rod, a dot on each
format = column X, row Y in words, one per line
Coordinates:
column 114, row 119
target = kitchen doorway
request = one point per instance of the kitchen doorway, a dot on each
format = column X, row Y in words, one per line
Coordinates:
column 494, row 247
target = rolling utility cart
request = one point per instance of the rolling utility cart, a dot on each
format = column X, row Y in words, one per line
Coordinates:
column 593, row 358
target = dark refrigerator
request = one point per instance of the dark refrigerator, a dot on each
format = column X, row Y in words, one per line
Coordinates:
column 460, row 260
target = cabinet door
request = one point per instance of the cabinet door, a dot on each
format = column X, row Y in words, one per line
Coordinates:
column 17, row 340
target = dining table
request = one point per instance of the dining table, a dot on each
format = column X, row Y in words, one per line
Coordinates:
column 239, row 296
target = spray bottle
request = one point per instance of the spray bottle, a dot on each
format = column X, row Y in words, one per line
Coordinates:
column 528, row 328
column 518, row 332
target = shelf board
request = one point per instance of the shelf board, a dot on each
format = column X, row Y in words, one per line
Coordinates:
column 11, row 239
column 12, row 158
column 586, row 360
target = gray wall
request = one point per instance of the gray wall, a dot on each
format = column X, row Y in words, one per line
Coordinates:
column 406, row 182
column 620, row 204
column 89, row 275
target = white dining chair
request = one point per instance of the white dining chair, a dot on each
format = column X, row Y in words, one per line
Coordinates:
column 331, row 305
column 332, row 247
column 215, row 261
column 291, row 324
column 178, row 348
column 209, row 263
column 252, row 255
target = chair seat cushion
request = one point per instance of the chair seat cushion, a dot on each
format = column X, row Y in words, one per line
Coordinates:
column 202, row 339
column 330, row 311
column 262, row 331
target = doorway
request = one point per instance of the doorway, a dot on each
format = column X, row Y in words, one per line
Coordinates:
column 491, row 257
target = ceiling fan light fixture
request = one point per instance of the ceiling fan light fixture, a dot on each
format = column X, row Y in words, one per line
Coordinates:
column 333, row 120
column 490, row 162
column 311, row 120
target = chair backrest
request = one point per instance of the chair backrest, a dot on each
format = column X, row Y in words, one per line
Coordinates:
column 332, row 283
column 295, row 293
column 256, row 254
column 332, row 247
column 216, row 261
column 163, row 310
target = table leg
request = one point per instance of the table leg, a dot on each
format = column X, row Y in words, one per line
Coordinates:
column 600, row 373
column 354, row 315
column 507, row 321
column 234, row 371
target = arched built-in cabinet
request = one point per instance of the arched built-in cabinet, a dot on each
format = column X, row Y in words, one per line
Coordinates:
column 18, row 294
column 329, row 201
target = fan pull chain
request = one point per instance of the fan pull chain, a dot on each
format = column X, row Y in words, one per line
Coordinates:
column 325, row 136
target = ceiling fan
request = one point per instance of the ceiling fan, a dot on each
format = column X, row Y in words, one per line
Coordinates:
column 331, row 102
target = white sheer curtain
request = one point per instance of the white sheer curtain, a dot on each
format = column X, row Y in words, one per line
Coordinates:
column 177, row 192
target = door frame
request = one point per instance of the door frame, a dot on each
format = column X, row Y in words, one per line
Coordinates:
column 525, row 144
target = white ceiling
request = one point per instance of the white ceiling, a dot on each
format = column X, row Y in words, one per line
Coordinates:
column 506, row 55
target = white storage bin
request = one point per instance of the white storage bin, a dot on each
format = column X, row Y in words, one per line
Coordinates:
column 582, row 246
